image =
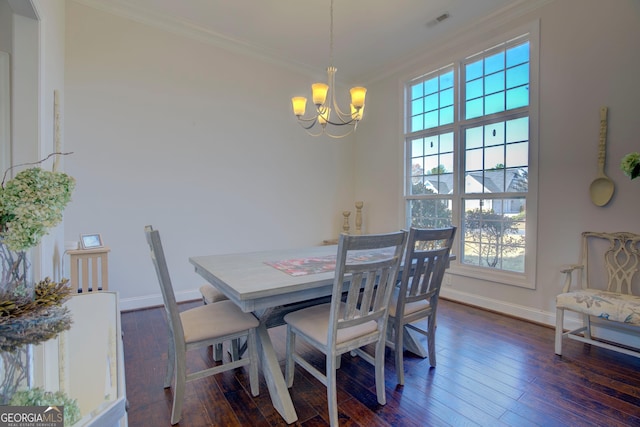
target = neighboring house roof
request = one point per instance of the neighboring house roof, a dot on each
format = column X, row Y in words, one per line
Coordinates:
column 495, row 181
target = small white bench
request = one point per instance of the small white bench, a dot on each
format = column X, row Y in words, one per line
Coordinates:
column 610, row 259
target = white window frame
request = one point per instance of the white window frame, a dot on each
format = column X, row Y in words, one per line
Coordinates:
column 528, row 278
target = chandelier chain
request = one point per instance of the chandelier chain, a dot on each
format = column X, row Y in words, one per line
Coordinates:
column 331, row 34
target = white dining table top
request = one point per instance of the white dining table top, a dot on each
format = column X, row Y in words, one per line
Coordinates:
column 252, row 284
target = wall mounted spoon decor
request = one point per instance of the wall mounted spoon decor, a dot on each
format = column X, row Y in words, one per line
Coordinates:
column 601, row 189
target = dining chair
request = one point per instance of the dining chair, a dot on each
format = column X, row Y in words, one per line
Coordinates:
column 366, row 272
column 210, row 294
column 417, row 296
column 200, row 327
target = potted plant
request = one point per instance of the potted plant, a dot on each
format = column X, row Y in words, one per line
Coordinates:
column 31, row 203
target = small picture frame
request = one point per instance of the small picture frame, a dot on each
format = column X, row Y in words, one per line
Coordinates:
column 90, row 241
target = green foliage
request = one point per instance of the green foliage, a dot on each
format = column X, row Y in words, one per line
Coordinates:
column 30, row 204
column 438, row 170
column 429, row 213
column 496, row 233
column 630, row 165
column 39, row 397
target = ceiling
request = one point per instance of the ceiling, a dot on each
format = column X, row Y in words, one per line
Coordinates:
column 368, row 34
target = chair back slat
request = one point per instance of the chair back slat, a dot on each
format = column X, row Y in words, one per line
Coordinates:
column 428, row 255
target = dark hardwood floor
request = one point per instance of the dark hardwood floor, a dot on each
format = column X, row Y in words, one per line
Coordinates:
column 492, row 370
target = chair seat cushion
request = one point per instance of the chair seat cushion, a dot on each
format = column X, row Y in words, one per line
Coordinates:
column 210, row 294
column 409, row 308
column 314, row 323
column 607, row 305
column 215, row 320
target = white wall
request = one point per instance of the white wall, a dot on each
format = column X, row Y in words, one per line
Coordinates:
column 198, row 141
column 33, row 34
column 589, row 58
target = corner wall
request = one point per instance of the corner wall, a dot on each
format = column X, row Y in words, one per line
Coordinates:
column 588, row 58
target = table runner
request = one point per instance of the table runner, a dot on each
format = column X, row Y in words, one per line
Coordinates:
column 324, row 264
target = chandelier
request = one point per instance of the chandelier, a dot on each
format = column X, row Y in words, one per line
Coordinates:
column 327, row 111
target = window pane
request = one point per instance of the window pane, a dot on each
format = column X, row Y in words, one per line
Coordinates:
column 417, row 167
column 494, row 134
column 473, row 70
column 431, row 86
column 494, row 83
column 494, row 233
column 494, row 103
column 430, row 213
column 417, row 106
column 446, row 161
column 517, row 180
column 494, row 63
column 431, row 145
column 417, row 91
column 518, row 130
column 446, row 97
column 474, row 108
column 474, row 89
column 517, row 155
column 518, row 55
column 446, row 80
column 446, row 116
column 474, row 137
column 518, row 76
column 431, row 165
column 446, row 142
column 518, row 97
column 431, row 119
column 473, row 160
column 416, row 148
column 494, row 158
column 418, row 187
column 431, row 102
column 417, row 123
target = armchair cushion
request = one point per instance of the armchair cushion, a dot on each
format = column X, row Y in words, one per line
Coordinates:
column 613, row 306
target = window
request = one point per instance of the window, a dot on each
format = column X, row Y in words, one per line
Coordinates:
column 469, row 158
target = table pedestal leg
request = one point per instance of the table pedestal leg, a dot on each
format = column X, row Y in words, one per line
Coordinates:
column 273, row 376
column 412, row 344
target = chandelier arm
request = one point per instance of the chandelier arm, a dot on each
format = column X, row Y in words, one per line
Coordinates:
column 323, row 129
column 308, row 131
column 338, row 136
column 308, row 119
column 342, row 123
column 311, row 123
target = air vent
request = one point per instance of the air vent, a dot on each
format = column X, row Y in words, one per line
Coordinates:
column 438, row 20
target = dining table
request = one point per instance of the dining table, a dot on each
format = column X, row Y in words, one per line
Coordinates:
column 270, row 284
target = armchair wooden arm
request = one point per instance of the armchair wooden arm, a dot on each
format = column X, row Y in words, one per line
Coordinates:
column 568, row 271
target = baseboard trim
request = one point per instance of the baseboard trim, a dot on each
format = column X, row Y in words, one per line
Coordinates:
column 138, row 303
column 510, row 309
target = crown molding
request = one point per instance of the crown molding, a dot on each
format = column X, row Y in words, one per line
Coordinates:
column 451, row 40
column 193, row 31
